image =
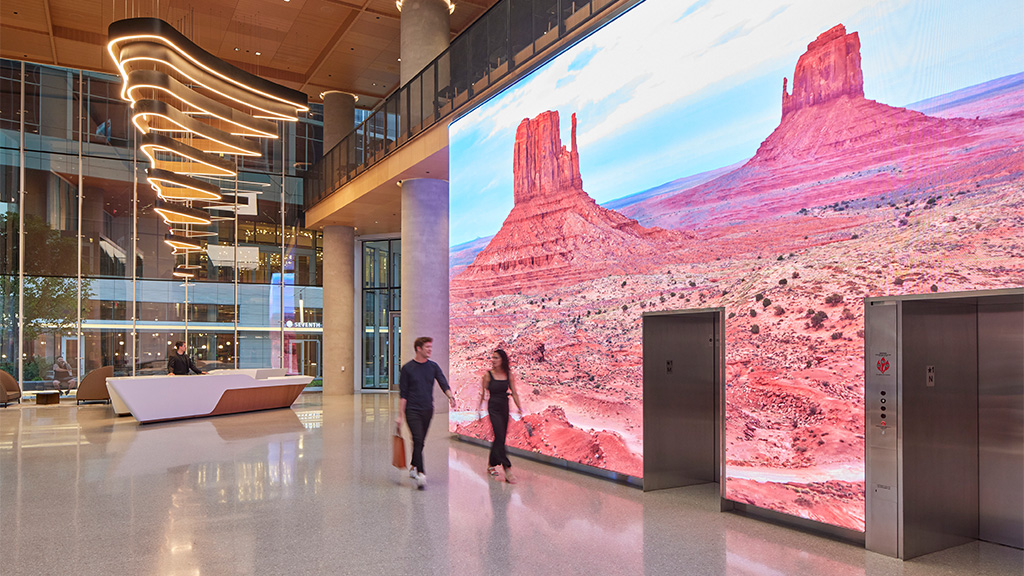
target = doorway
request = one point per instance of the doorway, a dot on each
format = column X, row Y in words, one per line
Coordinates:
column 683, row 365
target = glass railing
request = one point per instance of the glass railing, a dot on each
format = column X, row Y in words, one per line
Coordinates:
column 504, row 39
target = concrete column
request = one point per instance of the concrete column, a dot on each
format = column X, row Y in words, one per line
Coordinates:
column 425, row 32
column 339, row 117
column 339, row 362
column 425, row 270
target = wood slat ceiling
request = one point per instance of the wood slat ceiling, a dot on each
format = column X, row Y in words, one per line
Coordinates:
column 308, row 45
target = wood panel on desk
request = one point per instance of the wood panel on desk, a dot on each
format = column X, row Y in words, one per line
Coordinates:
column 263, row 398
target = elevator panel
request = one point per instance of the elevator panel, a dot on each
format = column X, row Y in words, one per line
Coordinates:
column 681, row 364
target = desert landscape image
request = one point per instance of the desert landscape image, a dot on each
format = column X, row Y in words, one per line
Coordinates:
column 787, row 213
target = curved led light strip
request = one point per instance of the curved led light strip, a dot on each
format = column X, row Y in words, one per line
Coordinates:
column 156, row 30
column 156, row 116
column 172, row 186
column 151, row 84
column 182, row 242
column 174, row 214
column 196, row 114
column 192, row 160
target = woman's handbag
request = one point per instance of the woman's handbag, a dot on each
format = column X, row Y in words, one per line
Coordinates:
column 398, row 449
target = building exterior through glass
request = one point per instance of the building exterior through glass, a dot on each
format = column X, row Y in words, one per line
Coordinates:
column 82, row 251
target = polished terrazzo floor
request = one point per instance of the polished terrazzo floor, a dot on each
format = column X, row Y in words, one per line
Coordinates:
column 310, row 491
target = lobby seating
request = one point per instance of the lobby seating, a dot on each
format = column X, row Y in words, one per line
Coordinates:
column 9, row 389
column 93, row 387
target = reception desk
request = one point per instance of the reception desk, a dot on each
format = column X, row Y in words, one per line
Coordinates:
column 161, row 398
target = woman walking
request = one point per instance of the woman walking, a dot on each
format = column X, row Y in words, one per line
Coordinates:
column 497, row 383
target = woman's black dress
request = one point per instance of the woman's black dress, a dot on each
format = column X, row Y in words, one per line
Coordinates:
column 497, row 409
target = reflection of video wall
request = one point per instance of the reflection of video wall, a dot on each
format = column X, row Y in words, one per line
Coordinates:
column 657, row 165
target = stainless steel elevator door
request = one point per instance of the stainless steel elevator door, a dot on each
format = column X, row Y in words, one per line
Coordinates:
column 939, row 430
column 1001, row 420
column 680, row 380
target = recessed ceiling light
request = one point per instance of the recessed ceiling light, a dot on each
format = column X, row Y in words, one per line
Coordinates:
column 236, row 48
column 257, row 53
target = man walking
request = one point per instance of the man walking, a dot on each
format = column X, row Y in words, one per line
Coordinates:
column 180, row 364
column 416, row 390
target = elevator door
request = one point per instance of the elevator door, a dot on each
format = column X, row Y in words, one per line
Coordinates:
column 682, row 366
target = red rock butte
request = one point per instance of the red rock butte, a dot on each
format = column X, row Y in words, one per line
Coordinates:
column 829, row 69
column 556, row 235
column 832, row 144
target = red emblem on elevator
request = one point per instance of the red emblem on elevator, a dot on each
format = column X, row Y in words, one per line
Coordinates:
column 882, row 365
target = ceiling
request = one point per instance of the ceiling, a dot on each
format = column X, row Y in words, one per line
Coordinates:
column 309, row 45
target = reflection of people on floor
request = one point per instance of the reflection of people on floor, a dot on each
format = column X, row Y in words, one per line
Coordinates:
column 63, row 377
column 497, row 383
column 499, row 539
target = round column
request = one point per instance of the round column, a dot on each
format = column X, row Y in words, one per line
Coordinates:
column 425, row 270
column 425, row 29
column 339, row 117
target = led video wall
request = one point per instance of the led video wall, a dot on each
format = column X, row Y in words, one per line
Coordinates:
column 783, row 161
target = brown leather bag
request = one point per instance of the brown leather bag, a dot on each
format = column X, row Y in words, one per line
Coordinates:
column 398, row 450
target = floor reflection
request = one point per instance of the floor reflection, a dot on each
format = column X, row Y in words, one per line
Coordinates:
column 310, row 490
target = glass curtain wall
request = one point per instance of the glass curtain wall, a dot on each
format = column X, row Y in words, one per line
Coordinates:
column 381, row 270
column 82, row 252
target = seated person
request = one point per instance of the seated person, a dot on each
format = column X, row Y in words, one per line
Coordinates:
column 63, row 378
column 180, row 364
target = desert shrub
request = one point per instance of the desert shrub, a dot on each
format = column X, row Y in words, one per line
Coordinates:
column 809, row 313
column 766, row 302
column 753, row 313
column 833, row 299
column 783, row 282
column 780, row 258
column 847, row 314
column 662, row 299
column 754, row 329
column 818, row 319
column 623, row 283
column 898, row 281
column 779, row 310
column 672, row 294
column 758, row 296
column 693, row 284
column 837, row 335
column 935, row 288
column 732, row 314
column 624, row 307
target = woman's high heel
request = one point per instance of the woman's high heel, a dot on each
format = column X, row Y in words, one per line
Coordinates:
column 493, row 471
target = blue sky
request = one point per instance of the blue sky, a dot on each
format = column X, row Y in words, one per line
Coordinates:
column 673, row 88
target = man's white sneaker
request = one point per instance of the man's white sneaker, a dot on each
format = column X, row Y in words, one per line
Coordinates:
column 421, row 481
column 412, row 472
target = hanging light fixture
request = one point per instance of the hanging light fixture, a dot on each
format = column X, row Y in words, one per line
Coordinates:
column 197, row 115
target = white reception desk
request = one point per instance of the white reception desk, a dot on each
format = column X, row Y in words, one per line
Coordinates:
column 159, row 398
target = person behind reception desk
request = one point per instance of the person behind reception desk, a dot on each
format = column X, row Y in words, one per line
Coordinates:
column 180, row 364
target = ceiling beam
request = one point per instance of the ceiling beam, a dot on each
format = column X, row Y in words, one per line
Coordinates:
column 345, row 26
column 49, row 30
